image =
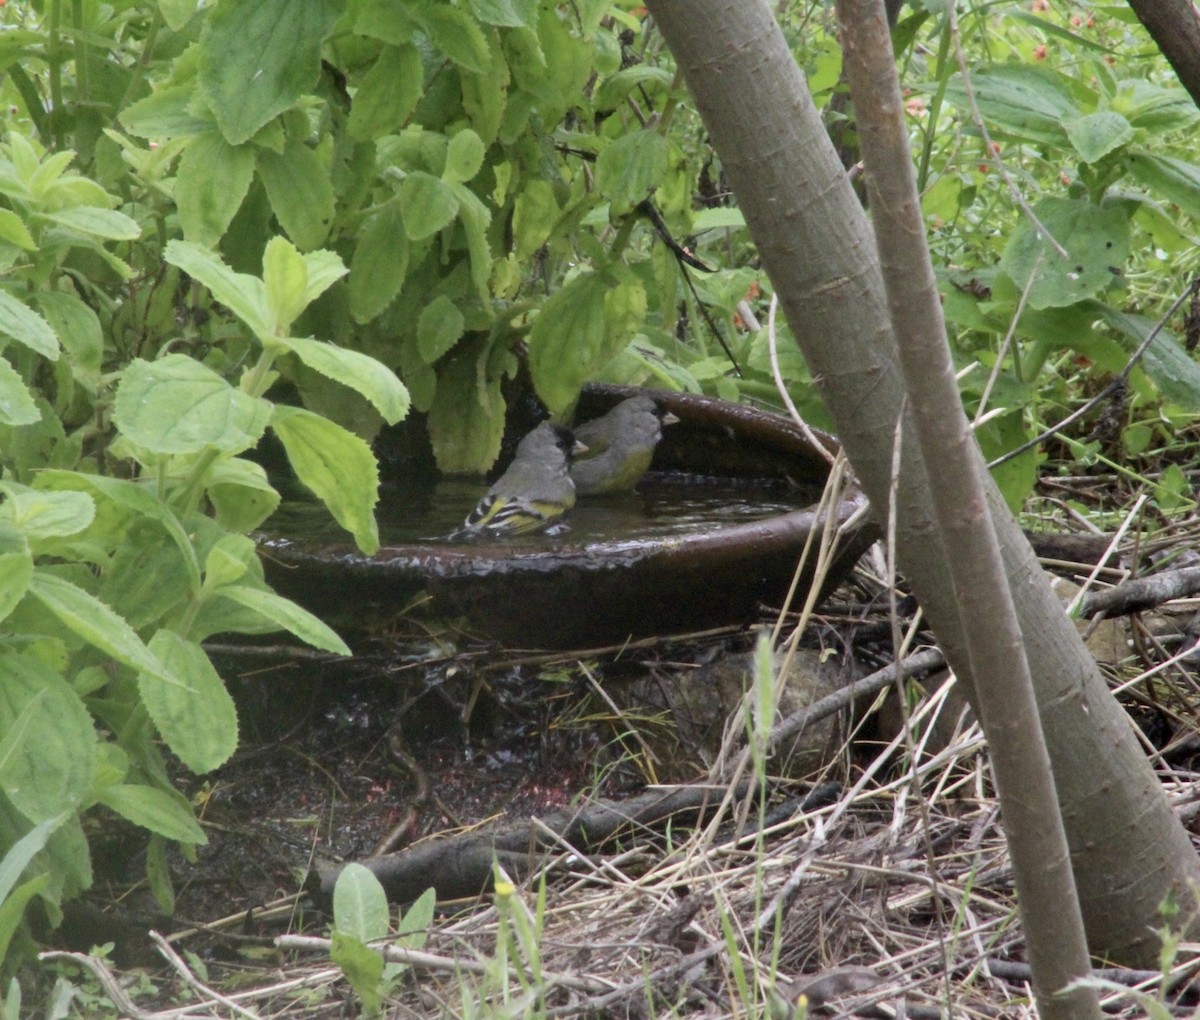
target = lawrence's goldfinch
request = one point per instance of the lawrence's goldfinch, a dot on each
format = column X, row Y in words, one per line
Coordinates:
column 620, row 445
column 533, row 493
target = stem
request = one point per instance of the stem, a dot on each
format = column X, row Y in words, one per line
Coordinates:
column 54, row 54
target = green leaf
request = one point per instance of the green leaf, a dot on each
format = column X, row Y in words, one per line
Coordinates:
column 466, row 421
column 193, row 712
column 1028, row 102
column 14, row 231
column 39, row 514
column 92, row 620
column 257, row 59
column 229, row 561
column 131, row 496
column 1172, row 368
column 16, row 568
column 23, row 324
column 719, row 218
column 475, row 218
column 336, row 465
column 154, row 810
column 362, row 966
column 17, row 405
column 1096, row 239
column 485, row 95
column 177, row 13
column 631, row 167
column 535, row 212
column 1097, row 134
column 1155, row 109
column 166, row 114
column 300, row 191
column 464, row 157
column 51, row 770
column 287, row 616
column 362, row 373
column 21, row 853
column 241, row 495
column 458, row 36
column 78, row 328
column 242, row 294
column 439, row 328
column 379, row 264
column 178, row 405
column 360, row 906
column 106, row 223
column 285, row 277
column 428, row 205
column 147, row 577
column 507, row 13
column 211, row 181
column 1173, row 179
column 616, row 87
column 388, row 93
column 412, row 930
column 579, row 330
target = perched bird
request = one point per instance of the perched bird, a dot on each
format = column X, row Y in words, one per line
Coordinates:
column 533, row 493
column 620, row 445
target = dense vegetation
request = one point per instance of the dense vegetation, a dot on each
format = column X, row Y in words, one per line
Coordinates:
column 373, row 207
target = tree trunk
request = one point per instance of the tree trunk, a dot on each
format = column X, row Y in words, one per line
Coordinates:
column 1128, row 850
column 1174, row 25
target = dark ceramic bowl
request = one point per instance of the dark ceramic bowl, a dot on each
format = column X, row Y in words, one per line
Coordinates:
column 578, row 590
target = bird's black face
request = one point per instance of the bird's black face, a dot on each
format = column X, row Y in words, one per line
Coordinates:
column 564, row 439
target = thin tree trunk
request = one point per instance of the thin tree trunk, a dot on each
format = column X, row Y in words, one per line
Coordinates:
column 987, row 619
column 1128, row 850
column 1174, row 25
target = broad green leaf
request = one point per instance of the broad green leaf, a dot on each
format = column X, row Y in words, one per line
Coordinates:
column 52, row 769
column 631, row 167
column 360, row 372
column 14, row 231
column 40, row 514
column 379, row 264
column 1172, row 368
column 78, row 329
column 362, row 966
column 165, row 114
column 616, row 87
column 106, row 223
column 300, row 192
column 131, row 496
column 439, row 328
column 336, row 465
column 360, row 906
column 485, row 95
column 194, row 713
column 19, row 855
column 285, row 277
column 535, row 212
column 388, row 93
column 242, row 294
column 1096, row 239
column 579, row 330
column 385, row 20
column 1156, row 109
column 475, row 219
column 1097, row 134
column 719, row 218
column 1028, row 102
column 287, row 616
column 23, row 324
column 1172, row 179
column 466, row 421
column 257, row 59
column 89, row 618
column 158, row 874
column 412, row 930
column 147, row 577
column 16, row 566
column 155, row 810
column 177, row 13
column 11, row 910
column 211, row 181
column 464, row 157
column 1014, row 478
column 457, row 35
column 17, row 405
column 228, row 561
column 178, row 405
column 506, row 13
column 428, row 205
column 241, row 495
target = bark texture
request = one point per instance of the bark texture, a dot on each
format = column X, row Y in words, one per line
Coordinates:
column 1128, row 850
column 1174, row 25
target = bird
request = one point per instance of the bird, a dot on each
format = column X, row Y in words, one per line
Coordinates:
column 533, row 493
column 620, row 445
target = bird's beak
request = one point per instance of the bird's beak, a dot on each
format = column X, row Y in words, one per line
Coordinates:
column 578, row 448
column 669, row 419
